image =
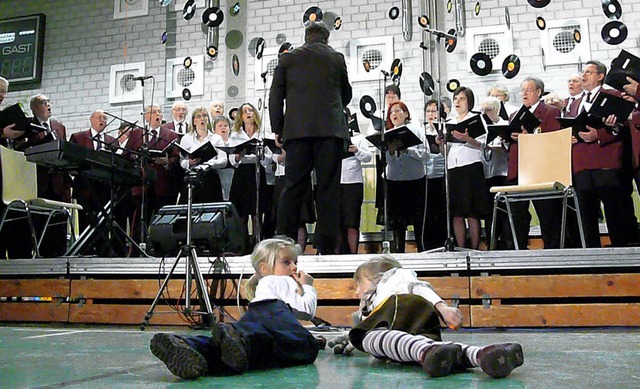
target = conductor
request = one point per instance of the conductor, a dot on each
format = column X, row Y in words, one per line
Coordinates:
column 313, row 79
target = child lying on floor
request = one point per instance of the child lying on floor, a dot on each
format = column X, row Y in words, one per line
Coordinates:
column 400, row 321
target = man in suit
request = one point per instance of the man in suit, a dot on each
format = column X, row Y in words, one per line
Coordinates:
column 575, row 93
column 549, row 211
column 179, row 113
column 313, row 80
column 91, row 194
column 598, row 174
column 52, row 185
column 161, row 172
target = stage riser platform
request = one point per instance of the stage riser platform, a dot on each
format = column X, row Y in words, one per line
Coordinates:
column 542, row 288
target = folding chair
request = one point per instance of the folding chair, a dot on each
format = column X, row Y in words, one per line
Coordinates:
column 20, row 194
column 544, row 172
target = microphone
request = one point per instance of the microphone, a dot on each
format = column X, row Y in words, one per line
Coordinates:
column 264, row 74
column 386, row 73
column 142, row 78
column 423, row 47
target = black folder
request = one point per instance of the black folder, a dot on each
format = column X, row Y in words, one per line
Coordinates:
column 271, row 144
column 157, row 153
column 623, row 66
column 204, row 152
column 502, row 130
column 15, row 115
column 249, row 147
column 402, row 133
column 474, row 125
column 606, row 104
column 524, row 118
column 352, row 123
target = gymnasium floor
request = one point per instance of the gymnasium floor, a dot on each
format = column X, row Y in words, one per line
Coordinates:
column 114, row 357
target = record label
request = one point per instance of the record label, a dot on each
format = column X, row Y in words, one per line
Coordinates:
column 450, row 44
column 337, row 23
column 541, row 23
column 452, row 85
column 423, row 21
column 477, row 8
column 187, row 62
column 396, row 68
column 481, row 64
column 614, row 32
column 212, row 51
column 312, row 14
column 510, row 66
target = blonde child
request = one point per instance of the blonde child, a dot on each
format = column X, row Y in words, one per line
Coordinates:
column 401, row 322
column 267, row 336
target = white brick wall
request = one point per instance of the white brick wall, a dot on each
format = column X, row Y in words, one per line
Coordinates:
column 83, row 41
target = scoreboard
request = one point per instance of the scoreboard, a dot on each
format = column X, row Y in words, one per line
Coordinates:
column 21, row 48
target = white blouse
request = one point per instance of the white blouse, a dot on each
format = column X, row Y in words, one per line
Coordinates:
column 285, row 288
column 352, row 166
column 463, row 154
column 191, row 142
column 410, row 165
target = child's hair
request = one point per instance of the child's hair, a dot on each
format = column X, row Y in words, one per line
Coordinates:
column 267, row 251
column 375, row 267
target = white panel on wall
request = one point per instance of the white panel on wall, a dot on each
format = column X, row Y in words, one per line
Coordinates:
column 376, row 52
column 495, row 41
column 123, row 88
column 267, row 64
column 130, row 8
column 178, row 77
column 559, row 43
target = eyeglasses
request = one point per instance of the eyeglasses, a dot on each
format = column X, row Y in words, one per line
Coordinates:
column 180, row 109
column 396, row 111
column 527, row 91
column 431, row 110
column 201, row 116
column 43, row 102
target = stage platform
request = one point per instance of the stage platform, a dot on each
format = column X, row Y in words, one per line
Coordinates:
column 533, row 288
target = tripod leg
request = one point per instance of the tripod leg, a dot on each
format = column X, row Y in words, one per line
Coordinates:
column 147, row 317
column 201, row 285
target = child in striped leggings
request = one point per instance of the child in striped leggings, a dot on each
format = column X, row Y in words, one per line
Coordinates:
column 401, row 322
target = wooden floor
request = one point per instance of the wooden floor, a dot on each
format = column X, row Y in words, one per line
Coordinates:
column 533, row 288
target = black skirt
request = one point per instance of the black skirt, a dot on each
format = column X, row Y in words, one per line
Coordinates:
column 468, row 191
column 243, row 190
column 405, row 202
column 352, row 196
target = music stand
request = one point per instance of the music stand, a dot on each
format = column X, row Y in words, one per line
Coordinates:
column 188, row 252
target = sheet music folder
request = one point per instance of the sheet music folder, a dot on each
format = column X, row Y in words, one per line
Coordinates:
column 606, row 104
column 204, row 152
column 155, row 153
column 271, row 144
column 524, row 118
column 15, row 115
column 249, row 147
column 623, row 66
column 503, row 131
column 402, row 133
column 474, row 125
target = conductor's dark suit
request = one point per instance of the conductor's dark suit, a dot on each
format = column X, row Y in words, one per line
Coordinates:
column 314, row 82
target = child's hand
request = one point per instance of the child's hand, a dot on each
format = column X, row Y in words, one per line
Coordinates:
column 303, row 278
column 451, row 316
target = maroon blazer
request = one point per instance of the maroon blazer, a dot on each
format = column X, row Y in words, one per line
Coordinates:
column 572, row 110
column 547, row 114
column 634, row 126
column 171, row 126
column 605, row 153
column 167, row 178
column 51, row 185
column 81, row 187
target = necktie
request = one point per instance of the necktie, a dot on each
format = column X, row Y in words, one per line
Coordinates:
column 98, row 142
column 179, row 128
column 154, row 137
column 46, row 126
column 588, row 97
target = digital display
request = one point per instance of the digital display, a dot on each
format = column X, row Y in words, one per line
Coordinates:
column 21, row 48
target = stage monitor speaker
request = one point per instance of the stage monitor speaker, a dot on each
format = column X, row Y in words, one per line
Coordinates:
column 216, row 229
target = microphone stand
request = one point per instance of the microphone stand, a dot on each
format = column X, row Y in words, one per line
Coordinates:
column 449, row 244
column 383, row 161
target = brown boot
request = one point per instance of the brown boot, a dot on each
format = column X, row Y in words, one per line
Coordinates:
column 440, row 359
column 498, row 360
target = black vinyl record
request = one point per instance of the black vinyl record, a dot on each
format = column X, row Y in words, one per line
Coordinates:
column 235, row 9
column 232, row 111
column 423, row 21
column 507, row 18
column 260, row 48
column 164, row 37
column 189, row 10
column 450, row 44
column 449, row 6
column 396, row 68
column 541, row 23
column 235, row 65
column 511, row 66
column 612, row 9
column 212, row 17
column 452, row 85
column 394, row 12
column 614, row 32
column 337, row 23
column 539, row 3
column 367, row 106
column 285, row 48
column 476, row 9
column 426, row 84
column 186, row 94
column 577, row 36
column 212, row 51
column 481, row 64
column 187, row 62
column 312, row 14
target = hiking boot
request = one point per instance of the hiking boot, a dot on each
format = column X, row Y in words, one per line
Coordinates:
column 232, row 349
column 440, row 359
column 498, row 360
column 180, row 358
